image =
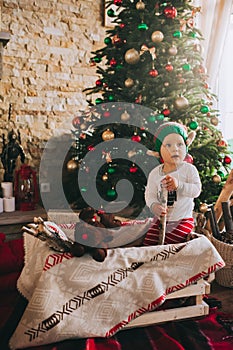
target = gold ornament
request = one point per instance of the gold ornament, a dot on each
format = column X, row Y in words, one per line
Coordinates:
column 181, row 103
column 166, row 84
column 214, row 121
column 157, row 36
column 125, row 116
column 132, row 153
column 108, row 135
column 217, row 179
column 203, row 207
column 132, row 56
column 72, row 165
column 83, row 126
column 129, row 83
column 105, row 177
column 140, row 6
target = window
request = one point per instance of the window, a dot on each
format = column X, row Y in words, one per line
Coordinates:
column 225, row 85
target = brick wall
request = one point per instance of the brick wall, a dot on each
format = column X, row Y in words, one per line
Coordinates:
column 46, row 65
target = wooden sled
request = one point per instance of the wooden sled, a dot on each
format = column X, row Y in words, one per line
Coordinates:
column 200, row 308
column 197, row 290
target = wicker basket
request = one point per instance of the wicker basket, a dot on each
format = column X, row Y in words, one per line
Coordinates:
column 224, row 276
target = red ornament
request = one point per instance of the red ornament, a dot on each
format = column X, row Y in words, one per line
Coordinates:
column 84, row 236
column 170, row 12
column 166, row 112
column 90, row 148
column 98, row 82
column 153, row 73
column 190, row 22
column 222, row 143
column 25, row 188
column 107, row 114
column 117, row 2
column 169, row 67
column 136, row 138
column 202, row 69
column 113, row 62
column 133, row 169
column 122, row 25
column 138, row 99
column 76, row 122
column 92, row 63
column 227, row 160
column 188, row 158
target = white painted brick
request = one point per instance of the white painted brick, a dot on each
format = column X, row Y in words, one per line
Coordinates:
column 53, row 31
column 47, row 65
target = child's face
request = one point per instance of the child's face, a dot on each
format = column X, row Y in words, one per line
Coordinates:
column 173, row 149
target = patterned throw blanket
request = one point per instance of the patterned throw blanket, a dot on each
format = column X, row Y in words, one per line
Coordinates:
column 79, row 298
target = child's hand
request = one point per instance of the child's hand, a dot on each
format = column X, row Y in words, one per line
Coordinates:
column 158, row 210
column 170, row 183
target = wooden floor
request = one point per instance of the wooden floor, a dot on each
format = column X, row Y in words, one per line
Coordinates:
column 225, row 295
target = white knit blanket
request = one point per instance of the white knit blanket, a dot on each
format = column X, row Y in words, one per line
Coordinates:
column 73, row 297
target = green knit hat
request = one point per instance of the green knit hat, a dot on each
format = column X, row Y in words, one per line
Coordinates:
column 166, row 129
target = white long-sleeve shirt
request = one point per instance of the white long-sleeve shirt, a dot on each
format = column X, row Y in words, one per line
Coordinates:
column 189, row 187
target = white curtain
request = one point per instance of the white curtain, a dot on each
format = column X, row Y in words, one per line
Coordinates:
column 214, row 21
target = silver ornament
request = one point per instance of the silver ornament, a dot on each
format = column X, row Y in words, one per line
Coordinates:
column 172, row 50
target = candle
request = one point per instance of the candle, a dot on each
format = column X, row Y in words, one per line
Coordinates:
column 9, row 204
column 7, row 189
column 1, row 205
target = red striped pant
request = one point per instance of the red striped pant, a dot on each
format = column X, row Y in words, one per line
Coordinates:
column 176, row 231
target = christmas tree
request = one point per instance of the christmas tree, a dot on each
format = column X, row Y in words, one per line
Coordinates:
column 150, row 70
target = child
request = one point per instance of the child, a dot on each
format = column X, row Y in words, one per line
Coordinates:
column 179, row 178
